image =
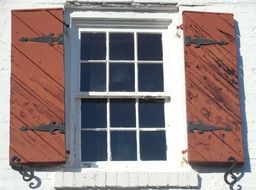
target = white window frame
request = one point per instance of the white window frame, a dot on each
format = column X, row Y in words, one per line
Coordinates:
column 176, row 133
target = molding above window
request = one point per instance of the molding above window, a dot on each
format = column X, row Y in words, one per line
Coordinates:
column 124, row 179
column 123, row 6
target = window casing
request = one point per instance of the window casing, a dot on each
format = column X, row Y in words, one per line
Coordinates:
column 171, row 74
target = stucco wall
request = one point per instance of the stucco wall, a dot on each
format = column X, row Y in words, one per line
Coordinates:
column 209, row 178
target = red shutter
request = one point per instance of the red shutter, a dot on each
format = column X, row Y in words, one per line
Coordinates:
column 212, row 89
column 37, row 86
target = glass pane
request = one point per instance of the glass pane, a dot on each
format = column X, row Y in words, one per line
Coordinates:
column 94, row 145
column 123, row 145
column 121, row 46
column 151, row 113
column 152, row 145
column 93, row 113
column 150, row 47
column 146, row 80
column 121, row 77
column 93, row 46
column 122, row 113
column 93, row 77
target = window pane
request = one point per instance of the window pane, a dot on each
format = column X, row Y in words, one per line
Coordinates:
column 93, row 46
column 121, row 46
column 93, row 77
column 123, row 145
column 93, row 113
column 122, row 113
column 150, row 47
column 146, row 80
column 94, row 145
column 151, row 113
column 152, row 145
column 121, row 77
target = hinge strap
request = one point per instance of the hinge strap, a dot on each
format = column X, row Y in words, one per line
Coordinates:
column 50, row 39
column 201, row 127
column 198, row 41
column 52, row 128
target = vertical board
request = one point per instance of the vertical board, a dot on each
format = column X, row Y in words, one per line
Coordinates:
column 212, row 89
column 37, row 86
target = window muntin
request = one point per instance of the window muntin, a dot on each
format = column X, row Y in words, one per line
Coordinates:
column 124, row 68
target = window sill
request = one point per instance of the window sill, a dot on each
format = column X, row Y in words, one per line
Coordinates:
column 101, row 179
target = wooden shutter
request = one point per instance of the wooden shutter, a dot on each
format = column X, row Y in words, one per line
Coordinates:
column 37, row 86
column 212, row 89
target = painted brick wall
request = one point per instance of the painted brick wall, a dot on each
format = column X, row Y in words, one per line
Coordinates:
column 210, row 178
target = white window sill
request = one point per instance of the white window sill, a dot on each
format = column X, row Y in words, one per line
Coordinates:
column 101, row 179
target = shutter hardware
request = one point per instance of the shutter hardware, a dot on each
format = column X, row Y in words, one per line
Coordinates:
column 229, row 171
column 201, row 128
column 50, row 39
column 198, row 41
column 26, row 171
column 52, row 127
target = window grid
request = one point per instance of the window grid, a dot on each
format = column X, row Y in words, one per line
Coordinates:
column 135, row 62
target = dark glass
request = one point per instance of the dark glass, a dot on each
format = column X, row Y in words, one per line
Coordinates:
column 121, row 77
column 121, row 46
column 93, row 77
column 122, row 113
column 150, row 47
column 94, row 145
column 93, row 113
column 123, row 145
column 151, row 113
column 152, row 145
column 93, row 46
column 150, row 77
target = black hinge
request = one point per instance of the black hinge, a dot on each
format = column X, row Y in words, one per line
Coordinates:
column 201, row 128
column 198, row 41
column 50, row 39
column 52, row 127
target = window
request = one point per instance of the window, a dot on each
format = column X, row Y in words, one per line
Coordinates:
column 123, row 100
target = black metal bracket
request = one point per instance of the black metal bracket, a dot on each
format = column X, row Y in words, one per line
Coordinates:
column 52, row 127
column 198, row 41
column 50, row 39
column 201, row 127
column 230, row 173
column 26, row 171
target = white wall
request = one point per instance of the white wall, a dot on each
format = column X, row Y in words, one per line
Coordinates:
column 210, row 178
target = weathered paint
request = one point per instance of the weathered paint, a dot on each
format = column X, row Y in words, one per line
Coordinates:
column 37, row 86
column 212, row 89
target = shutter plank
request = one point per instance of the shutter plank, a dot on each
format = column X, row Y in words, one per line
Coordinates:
column 37, row 87
column 212, row 89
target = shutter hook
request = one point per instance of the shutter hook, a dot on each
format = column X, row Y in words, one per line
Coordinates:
column 229, row 171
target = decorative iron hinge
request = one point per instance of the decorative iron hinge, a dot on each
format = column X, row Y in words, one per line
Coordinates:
column 201, row 128
column 52, row 127
column 50, row 39
column 198, row 41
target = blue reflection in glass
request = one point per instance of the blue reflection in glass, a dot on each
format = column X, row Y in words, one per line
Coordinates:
column 150, row 77
column 150, row 47
column 121, row 77
column 122, row 113
column 94, row 145
column 151, row 113
column 93, row 77
column 121, row 46
column 93, row 46
column 123, row 145
column 93, row 113
column 152, row 145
